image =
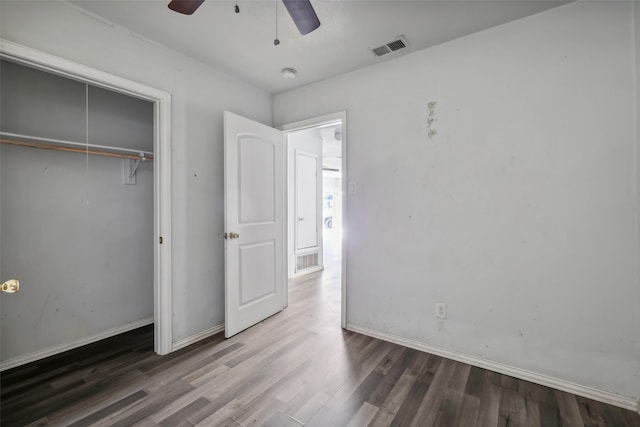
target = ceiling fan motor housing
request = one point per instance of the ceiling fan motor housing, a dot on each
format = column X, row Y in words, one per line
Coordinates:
column 303, row 15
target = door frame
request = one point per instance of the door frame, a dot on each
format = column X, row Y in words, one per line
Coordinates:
column 340, row 116
column 162, row 284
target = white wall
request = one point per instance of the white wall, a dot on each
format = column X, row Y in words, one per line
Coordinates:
column 199, row 96
column 520, row 214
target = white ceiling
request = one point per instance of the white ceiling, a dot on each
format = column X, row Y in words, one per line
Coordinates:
column 242, row 44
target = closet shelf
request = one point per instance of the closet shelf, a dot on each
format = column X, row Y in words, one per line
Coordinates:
column 73, row 147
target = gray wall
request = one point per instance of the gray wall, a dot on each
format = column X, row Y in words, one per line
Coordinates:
column 46, row 105
column 520, row 214
column 79, row 240
column 200, row 94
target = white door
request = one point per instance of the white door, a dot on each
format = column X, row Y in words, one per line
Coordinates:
column 306, row 200
column 255, row 251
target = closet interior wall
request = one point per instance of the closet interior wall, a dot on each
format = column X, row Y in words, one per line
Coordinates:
column 77, row 238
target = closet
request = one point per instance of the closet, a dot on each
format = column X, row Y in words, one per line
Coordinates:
column 76, row 212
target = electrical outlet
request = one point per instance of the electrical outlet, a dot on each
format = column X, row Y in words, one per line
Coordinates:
column 441, row 310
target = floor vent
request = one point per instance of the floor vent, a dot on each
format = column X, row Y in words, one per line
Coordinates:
column 304, row 262
column 399, row 43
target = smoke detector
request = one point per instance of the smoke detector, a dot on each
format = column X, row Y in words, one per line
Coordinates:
column 289, row 73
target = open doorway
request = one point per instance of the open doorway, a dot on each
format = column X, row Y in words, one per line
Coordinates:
column 316, row 157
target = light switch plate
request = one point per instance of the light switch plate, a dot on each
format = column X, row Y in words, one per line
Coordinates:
column 353, row 187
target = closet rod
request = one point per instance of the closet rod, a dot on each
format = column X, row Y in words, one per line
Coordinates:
column 74, row 150
column 81, row 148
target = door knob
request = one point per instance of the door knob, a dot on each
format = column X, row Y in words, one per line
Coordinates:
column 11, row 286
column 233, row 235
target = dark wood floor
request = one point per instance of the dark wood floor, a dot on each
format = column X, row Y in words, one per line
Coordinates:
column 296, row 368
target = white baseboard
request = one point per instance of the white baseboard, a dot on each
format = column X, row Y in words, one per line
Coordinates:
column 559, row 384
column 177, row 345
column 50, row 351
column 306, row 273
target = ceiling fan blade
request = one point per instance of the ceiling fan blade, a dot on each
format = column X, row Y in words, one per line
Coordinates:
column 186, row 7
column 302, row 14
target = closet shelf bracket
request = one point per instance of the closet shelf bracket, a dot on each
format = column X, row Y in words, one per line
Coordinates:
column 135, row 168
column 129, row 168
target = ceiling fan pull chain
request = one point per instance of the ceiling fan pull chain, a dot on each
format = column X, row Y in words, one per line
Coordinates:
column 276, row 42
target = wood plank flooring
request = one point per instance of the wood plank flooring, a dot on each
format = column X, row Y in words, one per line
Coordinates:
column 296, row 368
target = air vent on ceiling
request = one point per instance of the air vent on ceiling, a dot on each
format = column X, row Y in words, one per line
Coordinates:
column 399, row 43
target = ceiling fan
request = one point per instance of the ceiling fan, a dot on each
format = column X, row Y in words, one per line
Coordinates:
column 301, row 12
